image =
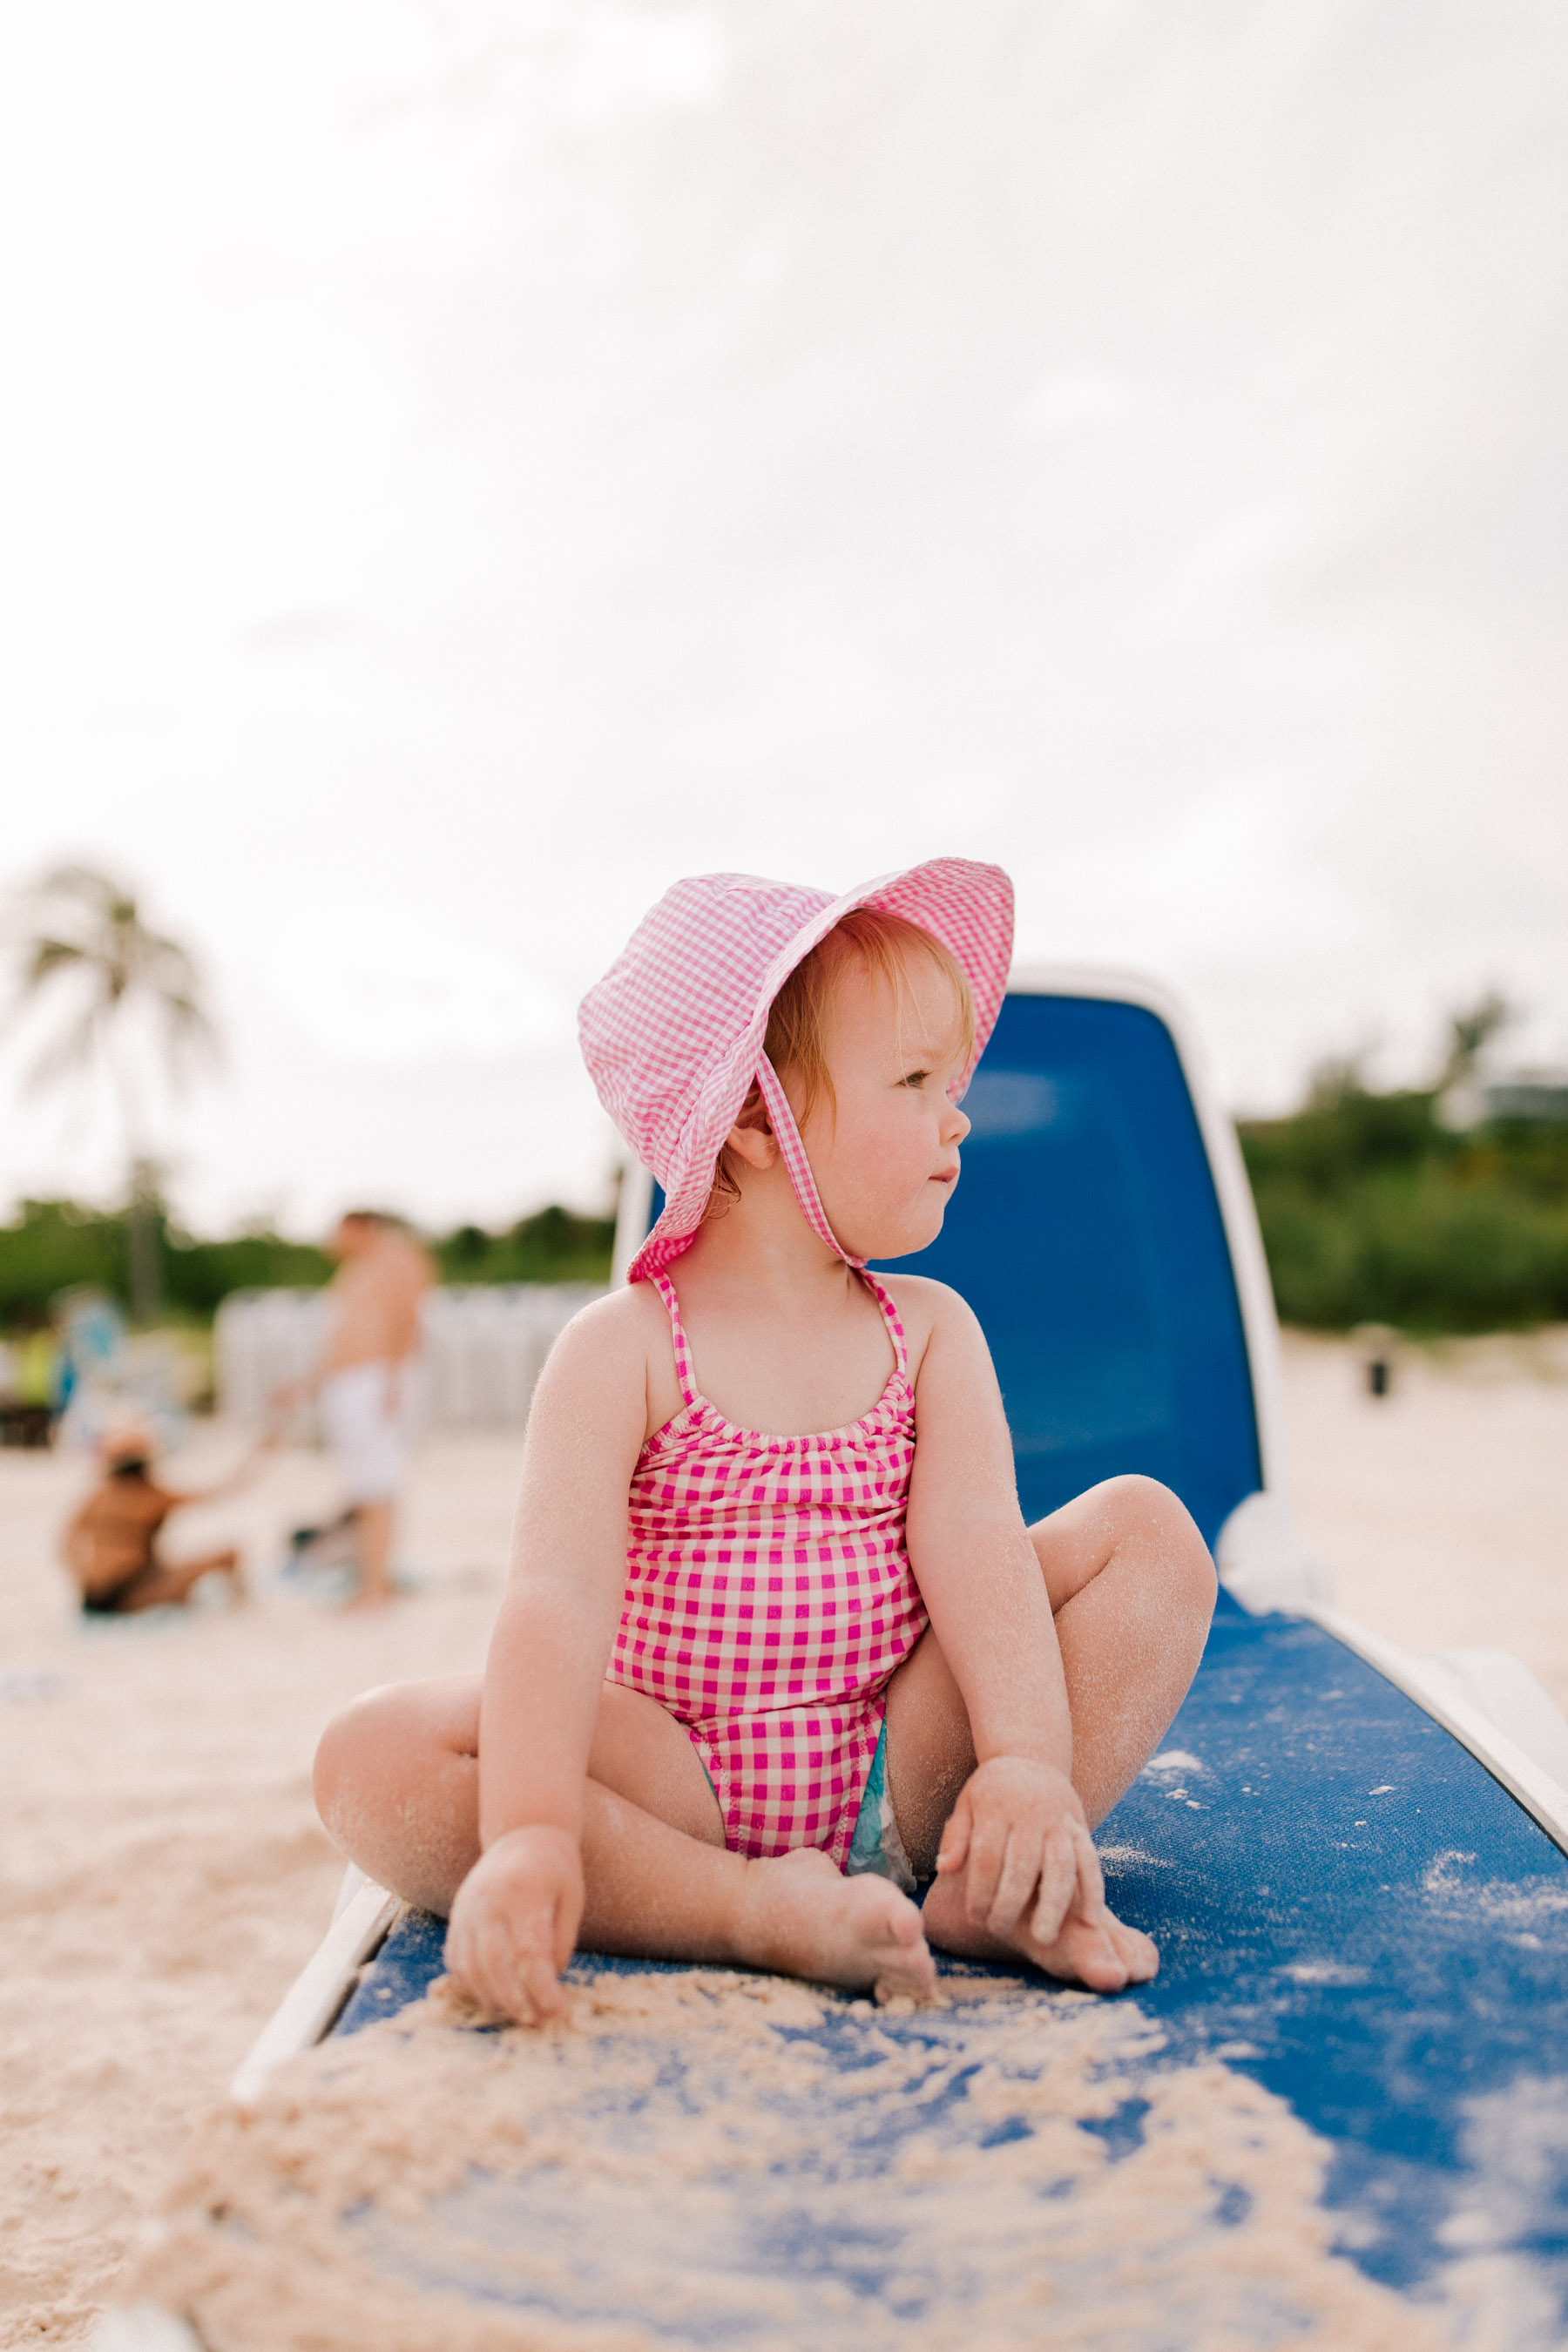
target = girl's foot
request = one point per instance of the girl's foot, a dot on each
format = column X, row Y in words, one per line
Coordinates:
column 804, row 1919
column 1098, row 1950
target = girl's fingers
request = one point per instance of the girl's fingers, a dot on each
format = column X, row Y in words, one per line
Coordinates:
column 494, row 1977
column 568, row 1918
column 1090, row 1877
column 454, row 1953
column 987, row 1852
column 1059, row 1883
column 532, row 1958
column 542, row 1986
column 546, row 1958
column 954, row 1848
column 1021, row 1861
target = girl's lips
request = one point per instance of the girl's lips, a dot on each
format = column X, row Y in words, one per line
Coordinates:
column 945, row 1176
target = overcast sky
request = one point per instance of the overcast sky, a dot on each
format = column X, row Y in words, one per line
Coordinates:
column 464, row 465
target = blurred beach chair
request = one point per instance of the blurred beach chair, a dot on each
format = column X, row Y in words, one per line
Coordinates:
column 103, row 1375
column 1353, row 1859
column 484, row 1347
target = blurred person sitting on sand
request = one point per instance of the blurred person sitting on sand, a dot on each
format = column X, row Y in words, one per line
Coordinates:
column 110, row 1545
column 365, row 1384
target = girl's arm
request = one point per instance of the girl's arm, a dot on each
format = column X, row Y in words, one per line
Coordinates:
column 515, row 1919
column 1019, row 1824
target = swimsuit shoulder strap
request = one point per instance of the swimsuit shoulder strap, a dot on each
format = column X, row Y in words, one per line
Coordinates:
column 683, row 1371
column 891, row 1318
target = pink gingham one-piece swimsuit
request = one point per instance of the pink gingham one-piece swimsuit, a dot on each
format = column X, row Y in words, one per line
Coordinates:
column 768, row 1597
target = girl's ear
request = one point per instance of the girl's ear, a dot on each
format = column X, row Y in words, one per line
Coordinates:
column 752, row 1137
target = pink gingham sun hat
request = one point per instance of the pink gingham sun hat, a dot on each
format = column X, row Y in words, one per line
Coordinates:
column 673, row 1034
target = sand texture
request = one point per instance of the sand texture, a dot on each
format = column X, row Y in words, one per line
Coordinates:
column 969, row 2156
column 164, row 1874
column 1441, row 1511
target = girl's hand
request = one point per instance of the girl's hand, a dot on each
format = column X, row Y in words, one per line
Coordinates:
column 514, row 1924
column 1019, row 1835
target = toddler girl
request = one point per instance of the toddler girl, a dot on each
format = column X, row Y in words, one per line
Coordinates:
column 776, row 1645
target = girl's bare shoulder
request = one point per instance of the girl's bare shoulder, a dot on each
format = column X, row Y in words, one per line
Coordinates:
column 926, row 1307
column 611, row 1336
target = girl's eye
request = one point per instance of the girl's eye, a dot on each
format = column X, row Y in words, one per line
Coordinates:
column 915, row 1078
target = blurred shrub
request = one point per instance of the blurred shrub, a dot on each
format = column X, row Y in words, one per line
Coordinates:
column 553, row 1246
column 54, row 1244
column 1375, row 1213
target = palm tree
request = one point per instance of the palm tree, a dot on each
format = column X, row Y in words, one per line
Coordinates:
column 1470, row 1032
column 133, row 1008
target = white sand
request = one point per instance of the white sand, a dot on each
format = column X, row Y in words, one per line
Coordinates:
column 747, row 2132
column 165, row 1875
column 1442, row 1510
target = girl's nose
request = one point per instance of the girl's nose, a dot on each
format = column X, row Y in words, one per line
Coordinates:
column 955, row 1125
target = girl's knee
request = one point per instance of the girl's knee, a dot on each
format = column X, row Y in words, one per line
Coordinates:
column 393, row 1740
column 1178, row 1553
column 352, row 1747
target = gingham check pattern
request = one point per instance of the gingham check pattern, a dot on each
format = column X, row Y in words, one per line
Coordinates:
column 768, row 1597
column 673, row 1034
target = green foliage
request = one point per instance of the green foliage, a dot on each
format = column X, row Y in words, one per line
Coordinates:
column 553, row 1246
column 1375, row 1213
column 198, row 1275
column 54, row 1244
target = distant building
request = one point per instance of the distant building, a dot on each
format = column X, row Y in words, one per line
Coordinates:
column 1539, row 1096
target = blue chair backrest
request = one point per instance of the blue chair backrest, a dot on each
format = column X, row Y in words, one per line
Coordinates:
column 1085, row 1234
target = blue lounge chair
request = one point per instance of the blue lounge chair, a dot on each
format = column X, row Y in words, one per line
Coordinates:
column 1352, row 1861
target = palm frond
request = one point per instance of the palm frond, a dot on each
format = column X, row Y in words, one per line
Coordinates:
column 44, row 961
column 193, row 1039
column 84, row 927
column 87, row 884
column 46, row 956
column 73, row 1049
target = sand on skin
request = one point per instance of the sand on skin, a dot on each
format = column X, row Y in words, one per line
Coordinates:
column 164, row 1872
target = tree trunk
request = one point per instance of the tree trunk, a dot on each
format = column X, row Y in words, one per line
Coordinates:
column 144, row 1234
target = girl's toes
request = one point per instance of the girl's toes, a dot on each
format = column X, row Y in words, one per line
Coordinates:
column 1101, row 1967
column 905, row 1924
column 1137, row 1952
column 904, row 1964
column 1086, row 1953
column 909, row 1977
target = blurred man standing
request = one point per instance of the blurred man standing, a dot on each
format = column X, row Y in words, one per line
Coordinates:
column 366, row 1382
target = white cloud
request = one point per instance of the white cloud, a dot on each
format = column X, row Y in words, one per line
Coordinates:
column 377, row 986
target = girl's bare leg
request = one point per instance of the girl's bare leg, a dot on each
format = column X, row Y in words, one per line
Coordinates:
column 1132, row 1590
column 398, row 1786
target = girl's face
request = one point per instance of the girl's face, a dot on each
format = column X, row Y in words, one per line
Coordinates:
column 886, row 1160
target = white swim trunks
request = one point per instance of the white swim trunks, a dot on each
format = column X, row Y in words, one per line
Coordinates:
column 368, row 1413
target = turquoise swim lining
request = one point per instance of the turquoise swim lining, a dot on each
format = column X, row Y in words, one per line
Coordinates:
column 867, row 1850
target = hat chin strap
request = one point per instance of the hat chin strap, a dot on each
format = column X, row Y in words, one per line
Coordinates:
column 787, row 1137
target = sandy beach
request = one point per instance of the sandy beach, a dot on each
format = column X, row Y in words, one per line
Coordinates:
column 166, row 1875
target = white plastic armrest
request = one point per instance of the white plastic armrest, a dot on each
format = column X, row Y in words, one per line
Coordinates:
column 1260, row 1562
column 141, row 2327
column 1508, row 1693
column 318, row 1990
